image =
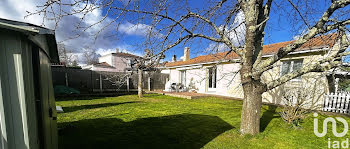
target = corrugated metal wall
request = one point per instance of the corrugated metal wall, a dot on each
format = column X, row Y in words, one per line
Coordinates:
column 17, row 92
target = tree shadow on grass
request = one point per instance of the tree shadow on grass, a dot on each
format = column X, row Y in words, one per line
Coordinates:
column 175, row 131
column 152, row 95
column 77, row 98
column 82, row 107
column 267, row 117
column 92, row 96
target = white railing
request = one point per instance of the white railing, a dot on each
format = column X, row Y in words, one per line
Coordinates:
column 337, row 102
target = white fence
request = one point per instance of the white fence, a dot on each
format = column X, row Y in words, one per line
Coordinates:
column 337, row 102
column 344, row 92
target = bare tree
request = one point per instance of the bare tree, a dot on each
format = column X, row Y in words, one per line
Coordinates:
column 66, row 55
column 170, row 23
column 118, row 79
column 89, row 56
column 147, row 63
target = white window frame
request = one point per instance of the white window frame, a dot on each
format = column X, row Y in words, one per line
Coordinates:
column 212, row 89
column 297, row 79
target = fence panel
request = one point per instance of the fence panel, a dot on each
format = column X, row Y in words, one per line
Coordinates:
column 87, row 81
column 337, row 102
column 347, row 100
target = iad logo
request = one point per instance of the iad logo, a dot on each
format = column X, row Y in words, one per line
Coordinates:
column 332, row 144
column 334, row 126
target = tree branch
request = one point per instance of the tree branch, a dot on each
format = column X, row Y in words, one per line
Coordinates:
column 332, row 60
column 299, row 13
column 315, row 30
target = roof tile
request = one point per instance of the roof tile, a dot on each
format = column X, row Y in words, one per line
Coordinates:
column 317, row 42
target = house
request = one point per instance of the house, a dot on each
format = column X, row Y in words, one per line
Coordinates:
column 219, row 74
column 114, row 62
column 27, row 104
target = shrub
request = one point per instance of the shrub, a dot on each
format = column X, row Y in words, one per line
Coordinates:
column 297, row 103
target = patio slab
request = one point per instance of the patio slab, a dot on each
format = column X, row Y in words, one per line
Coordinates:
column 187, row 95
column 190, row 95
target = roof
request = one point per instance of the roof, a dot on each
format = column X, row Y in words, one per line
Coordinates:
column 122, row 54
column 35, row 32
column 103, row 64
column 323, row 41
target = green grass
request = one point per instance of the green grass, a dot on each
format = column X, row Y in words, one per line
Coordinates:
column 158, row 121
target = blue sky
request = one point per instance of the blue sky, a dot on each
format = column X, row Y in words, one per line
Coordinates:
column 283, row 25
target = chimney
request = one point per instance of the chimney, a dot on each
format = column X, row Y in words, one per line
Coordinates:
column 174, row 58
column 116, row 50
column 187, row 54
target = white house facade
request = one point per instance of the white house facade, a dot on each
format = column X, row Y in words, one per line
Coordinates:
column 114, row 62
column 219, row 74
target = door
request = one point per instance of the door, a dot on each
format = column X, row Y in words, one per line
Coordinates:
column 212, row 79
column 45, row 101
column 183, row 77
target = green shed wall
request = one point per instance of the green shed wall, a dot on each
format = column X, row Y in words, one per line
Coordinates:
column 19, row 121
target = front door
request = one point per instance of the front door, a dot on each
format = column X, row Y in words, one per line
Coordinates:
column 212, row 79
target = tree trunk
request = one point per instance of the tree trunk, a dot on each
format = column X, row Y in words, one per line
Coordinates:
column 252, row 86
column 250, row 118
column 331, row 83
column 139, row 83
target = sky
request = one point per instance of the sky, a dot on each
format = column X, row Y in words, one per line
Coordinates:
column 281, row 27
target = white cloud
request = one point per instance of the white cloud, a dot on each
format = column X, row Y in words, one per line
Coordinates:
column 182, row 58
column 138, row 29
column 105, row 41
column 105, row 51
column 17, row 10
column 303, row 32
column 216, row 47
column 123, row 48
column 235, row 32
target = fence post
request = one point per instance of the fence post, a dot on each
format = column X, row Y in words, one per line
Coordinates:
column 334, row 102
column 101, row 83
column 149, row 83
column 66, row 77
column 346, row 108
column 128, row 84
column 325, row 106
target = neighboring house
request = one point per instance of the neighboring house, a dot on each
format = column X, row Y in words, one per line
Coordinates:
column 114, row 62
column 219, row 75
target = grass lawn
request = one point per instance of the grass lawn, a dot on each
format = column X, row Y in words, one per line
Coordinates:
column 158, row 121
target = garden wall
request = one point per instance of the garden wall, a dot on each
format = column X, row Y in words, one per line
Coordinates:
column 87, row 81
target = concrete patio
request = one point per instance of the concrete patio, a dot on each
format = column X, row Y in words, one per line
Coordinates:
column 189, row 95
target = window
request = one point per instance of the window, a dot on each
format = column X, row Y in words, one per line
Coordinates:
column 183, row 77
column 290, row 66
column 212, row 77
column 130, row 63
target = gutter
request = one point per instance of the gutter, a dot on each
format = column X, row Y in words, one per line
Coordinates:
column 18, row 28
column 200, row 64
column 301, row 52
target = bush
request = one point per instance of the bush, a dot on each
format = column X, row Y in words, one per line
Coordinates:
column 297, row 103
